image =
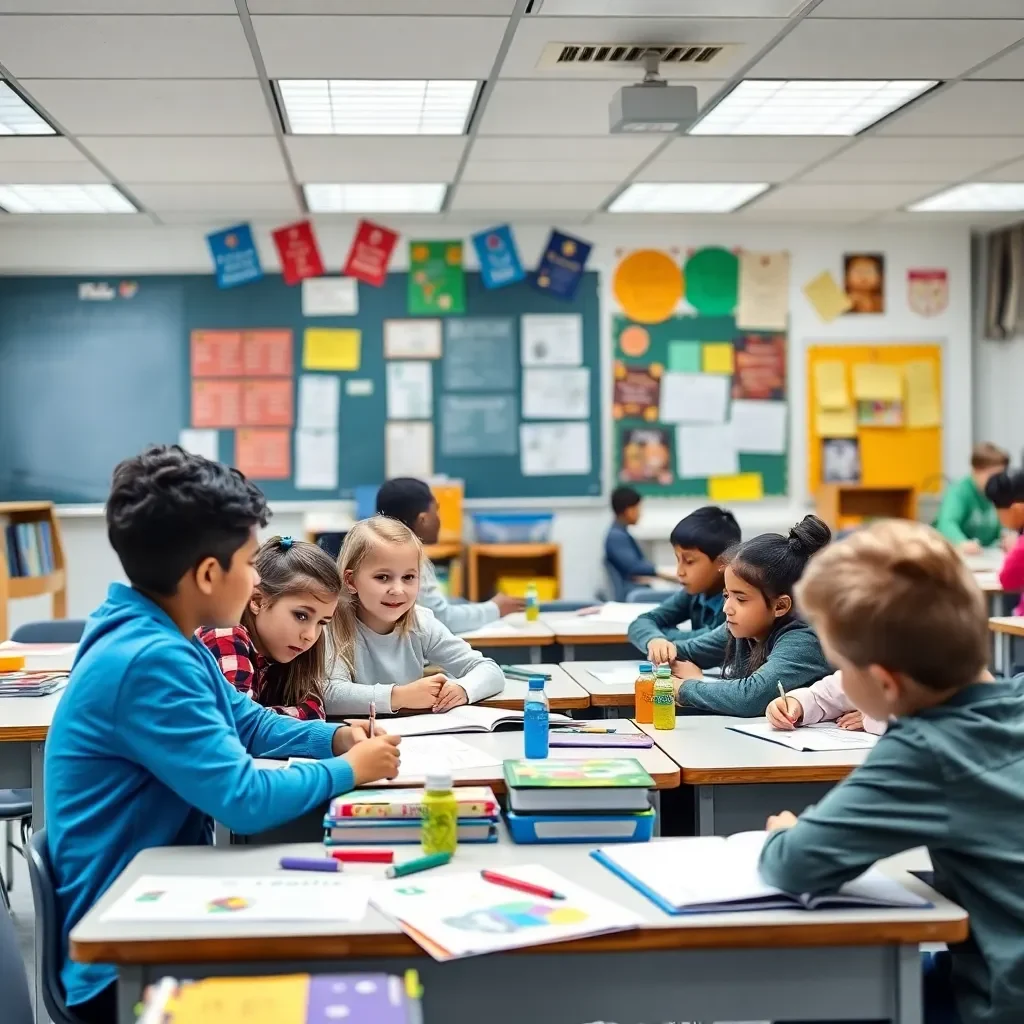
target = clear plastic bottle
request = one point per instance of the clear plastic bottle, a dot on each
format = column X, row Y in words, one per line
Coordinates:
column 664, row 705
column 643, row 694
column 536, row 722
column 532, row 602
column 440, row 832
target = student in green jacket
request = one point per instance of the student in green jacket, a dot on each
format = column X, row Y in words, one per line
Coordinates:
column 700, row 541
column 966, row 516
column 763, row 643
column 901, row 617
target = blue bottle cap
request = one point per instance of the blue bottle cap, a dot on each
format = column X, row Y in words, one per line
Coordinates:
column 536, row 683
column 646, row 666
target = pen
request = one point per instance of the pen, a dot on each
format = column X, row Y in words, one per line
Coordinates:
column 522, row 673
column 373, row 714
column 410, row 867
column 589, row 730
column 513, row 883
column 364, row 856
column 782, row 694
column 309, row 864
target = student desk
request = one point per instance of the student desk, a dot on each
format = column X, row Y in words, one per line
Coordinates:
column 793, row 965
column 1004, row 628
column 513, row 631
column 740, row 779
column 563, row 692
column 605, row 696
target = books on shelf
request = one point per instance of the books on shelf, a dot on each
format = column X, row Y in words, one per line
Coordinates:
column 603, row 785
column 467, row 718
column 28, row 548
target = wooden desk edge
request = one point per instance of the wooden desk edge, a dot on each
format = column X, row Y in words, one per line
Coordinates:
column 757, row 774
column 1010, row 628
column 556, row 703
column 507, row 640
column 613, row 700
column 23, row 733
column 330, row 947
column 582, row 639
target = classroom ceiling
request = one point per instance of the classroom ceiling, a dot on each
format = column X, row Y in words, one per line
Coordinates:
column 177, row 103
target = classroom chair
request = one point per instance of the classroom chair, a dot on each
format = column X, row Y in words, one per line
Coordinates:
column 15, row 805
column 13, row 983
column 50, row 631
column 44, row 899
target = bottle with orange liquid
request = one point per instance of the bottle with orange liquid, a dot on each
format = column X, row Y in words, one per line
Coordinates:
column 643, row 694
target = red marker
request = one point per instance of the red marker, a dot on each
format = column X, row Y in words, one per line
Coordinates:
column 364, row 856
column 513, row 883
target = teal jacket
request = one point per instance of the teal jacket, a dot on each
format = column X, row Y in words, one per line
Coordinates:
column 966, row 514
column 702, row 611
column 794, row 659
column 950, row 778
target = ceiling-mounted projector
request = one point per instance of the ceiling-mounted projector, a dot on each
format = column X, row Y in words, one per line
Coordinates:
column 653, row 105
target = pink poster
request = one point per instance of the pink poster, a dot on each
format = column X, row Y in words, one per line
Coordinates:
column 267, row 403
column 216, row 403
column 267, row 353
column 263, row 454
column 216, row 353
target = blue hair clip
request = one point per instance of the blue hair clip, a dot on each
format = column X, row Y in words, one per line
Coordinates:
column 286, row 543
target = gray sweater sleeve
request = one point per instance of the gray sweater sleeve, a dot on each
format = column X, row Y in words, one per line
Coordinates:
column 344, row 696
column 893, row 802
column 459, row 618
column 661, row 622
column 705, row 650
column 795, row 660
column 478, row 676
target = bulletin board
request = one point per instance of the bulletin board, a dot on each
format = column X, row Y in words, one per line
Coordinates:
column 657, row 385
column 90, row 376
column 907, row 453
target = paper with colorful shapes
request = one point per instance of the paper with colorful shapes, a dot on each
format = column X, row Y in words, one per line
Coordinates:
column 462, row 914
column 282, row 896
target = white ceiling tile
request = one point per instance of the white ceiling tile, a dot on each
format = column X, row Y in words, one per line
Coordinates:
column 368, row 47
column 921, row 149
column 547, row 107
column 1010, row 65
column 50, row 172
column 542, row 170
column 727, row 171
column 944, row 171
column 476, row 7
column 560, row 196
column 771, row 148
column 668, row 8
column 1009, row 172
column 71, row 220
column 888, row 48
column 189, row 159
column 117, row 7
column 163, row 106
column 132, row 46
column 353, row 158
column 30, row 148
column 624, row 151
column 534, row 34
column 932, row 218
column 233, row 198
column 917, row 9
column 967, row 108
column 755, row 213
column 842, row 197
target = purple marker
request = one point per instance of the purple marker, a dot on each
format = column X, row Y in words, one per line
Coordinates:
column 310, row 864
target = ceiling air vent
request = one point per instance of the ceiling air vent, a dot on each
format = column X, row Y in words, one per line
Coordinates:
column 675, row 57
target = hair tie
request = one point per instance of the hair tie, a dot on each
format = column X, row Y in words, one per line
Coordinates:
column 286, row 543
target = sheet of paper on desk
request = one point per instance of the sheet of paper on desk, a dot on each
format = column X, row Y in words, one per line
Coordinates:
column 422, row 754
column 823, row 736
column 618, row 611
column 282, row 896
column 457, row 915
column 624, row 676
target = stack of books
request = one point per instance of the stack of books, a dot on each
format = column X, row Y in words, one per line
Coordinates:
column 29, row 548
column 31, row 684
column 382, row 817
column 552, row 801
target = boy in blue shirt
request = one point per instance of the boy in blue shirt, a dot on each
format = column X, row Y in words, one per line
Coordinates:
column 150, row 742
column 627, row 567
column 700, row 541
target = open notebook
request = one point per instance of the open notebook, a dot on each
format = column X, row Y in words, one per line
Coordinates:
column 822, row 736
column 713, row 875
column 467, row 718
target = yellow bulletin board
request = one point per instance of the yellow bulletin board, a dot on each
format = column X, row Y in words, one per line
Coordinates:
column 908, row 455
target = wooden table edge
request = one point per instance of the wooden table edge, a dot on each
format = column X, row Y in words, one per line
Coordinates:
column 23, row 733
column 754, row 775
column 582, row 639
column 329, row 947
column 477, row 642
column 612, row 700
column 556, row 703
column 1009, row 628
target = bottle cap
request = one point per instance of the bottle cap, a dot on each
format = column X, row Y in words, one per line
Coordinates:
column 664, row 670
column 646, row 666
column 536, row 683
column 439, row 780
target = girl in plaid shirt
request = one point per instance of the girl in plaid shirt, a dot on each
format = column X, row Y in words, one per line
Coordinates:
column 278, row 653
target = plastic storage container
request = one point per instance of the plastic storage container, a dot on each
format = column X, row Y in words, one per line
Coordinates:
column 512, row 527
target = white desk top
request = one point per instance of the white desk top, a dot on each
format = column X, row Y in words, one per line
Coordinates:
column 616, row 695
column 1013, row 624
column 224, row 939
column 562, row 691
column 711, row 754
column 27, row 719
column 511, row 631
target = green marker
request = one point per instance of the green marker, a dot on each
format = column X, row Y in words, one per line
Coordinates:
column 411, row 867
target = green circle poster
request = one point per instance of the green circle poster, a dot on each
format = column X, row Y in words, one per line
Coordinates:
column 712, row 281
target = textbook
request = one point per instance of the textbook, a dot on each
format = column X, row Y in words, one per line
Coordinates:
column 821, row 736
column 636, row 740
column 391, row 804
column 31, row 684
column 467, row 718
column 595, row 784
column 374, row 832
column 580, row 828
column 710, row 875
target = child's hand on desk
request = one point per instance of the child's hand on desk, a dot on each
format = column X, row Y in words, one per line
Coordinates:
column 661, row 651
column 970, row 547
column 508, row 604
column 784, row 713
column 418, row 695
column 686, row 670
column 374, row 759
column 451, row 696
column 852, row 720
column 784, row 819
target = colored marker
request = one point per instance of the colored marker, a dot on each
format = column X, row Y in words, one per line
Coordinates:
column 514, row 883
column 364, row 856
column 411, row 867
column 309, row 864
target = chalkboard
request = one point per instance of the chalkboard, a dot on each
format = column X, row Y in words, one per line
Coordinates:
column 91, row 375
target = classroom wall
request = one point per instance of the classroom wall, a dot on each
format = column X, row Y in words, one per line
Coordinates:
column 139, row 248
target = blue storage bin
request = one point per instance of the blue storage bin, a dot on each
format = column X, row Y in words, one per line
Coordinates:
column 580, row 828
column 512, row 527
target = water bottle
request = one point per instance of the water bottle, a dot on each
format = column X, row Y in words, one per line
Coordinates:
column 535, row 719
column 440, row 825
column 643, row 695
column 664, row 699
column 532, row 602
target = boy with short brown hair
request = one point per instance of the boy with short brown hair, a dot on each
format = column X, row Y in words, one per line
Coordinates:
column 899, row 614
column 966, row 516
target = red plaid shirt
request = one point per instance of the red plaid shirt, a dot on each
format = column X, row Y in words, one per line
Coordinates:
column 247, row 670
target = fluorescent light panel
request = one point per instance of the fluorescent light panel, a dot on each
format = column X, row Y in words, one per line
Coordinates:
column 375, row 198
column 686, row 197
column 17, row 117
column 377, row 107
column 976, row 197
column 760, row 107
column 63, row 199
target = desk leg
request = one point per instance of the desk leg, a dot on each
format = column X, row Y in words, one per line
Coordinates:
column 1004, row 646
column 129, row 992
column 907, row 1008
column 705, row 810
column 569, row 652
column 221, row 834
column 38, row 823
column 656, row 804
column 535, row 655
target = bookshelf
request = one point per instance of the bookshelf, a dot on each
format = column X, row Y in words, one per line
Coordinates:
column 487, row 563
column 843, row 506
column 13, row 586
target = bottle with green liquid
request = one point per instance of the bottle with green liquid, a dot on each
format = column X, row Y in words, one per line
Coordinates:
column 532, row 602
column 440, row 831
column 664, row 699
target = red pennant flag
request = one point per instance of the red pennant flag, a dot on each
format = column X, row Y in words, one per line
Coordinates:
column 300, row 255
column 370, row 254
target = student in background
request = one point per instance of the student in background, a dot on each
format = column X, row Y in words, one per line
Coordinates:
column 966, row 517
column 412, row 502
column 763, row 641
column 149, row 742
column 277, row 654
column 901, row 616
column 823, row 701
column 384, row 639
column 700, row 542
column 627, row 567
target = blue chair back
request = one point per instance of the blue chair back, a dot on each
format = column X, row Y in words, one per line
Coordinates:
column 54, row 631
column 13, row 983
column 48, row 918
